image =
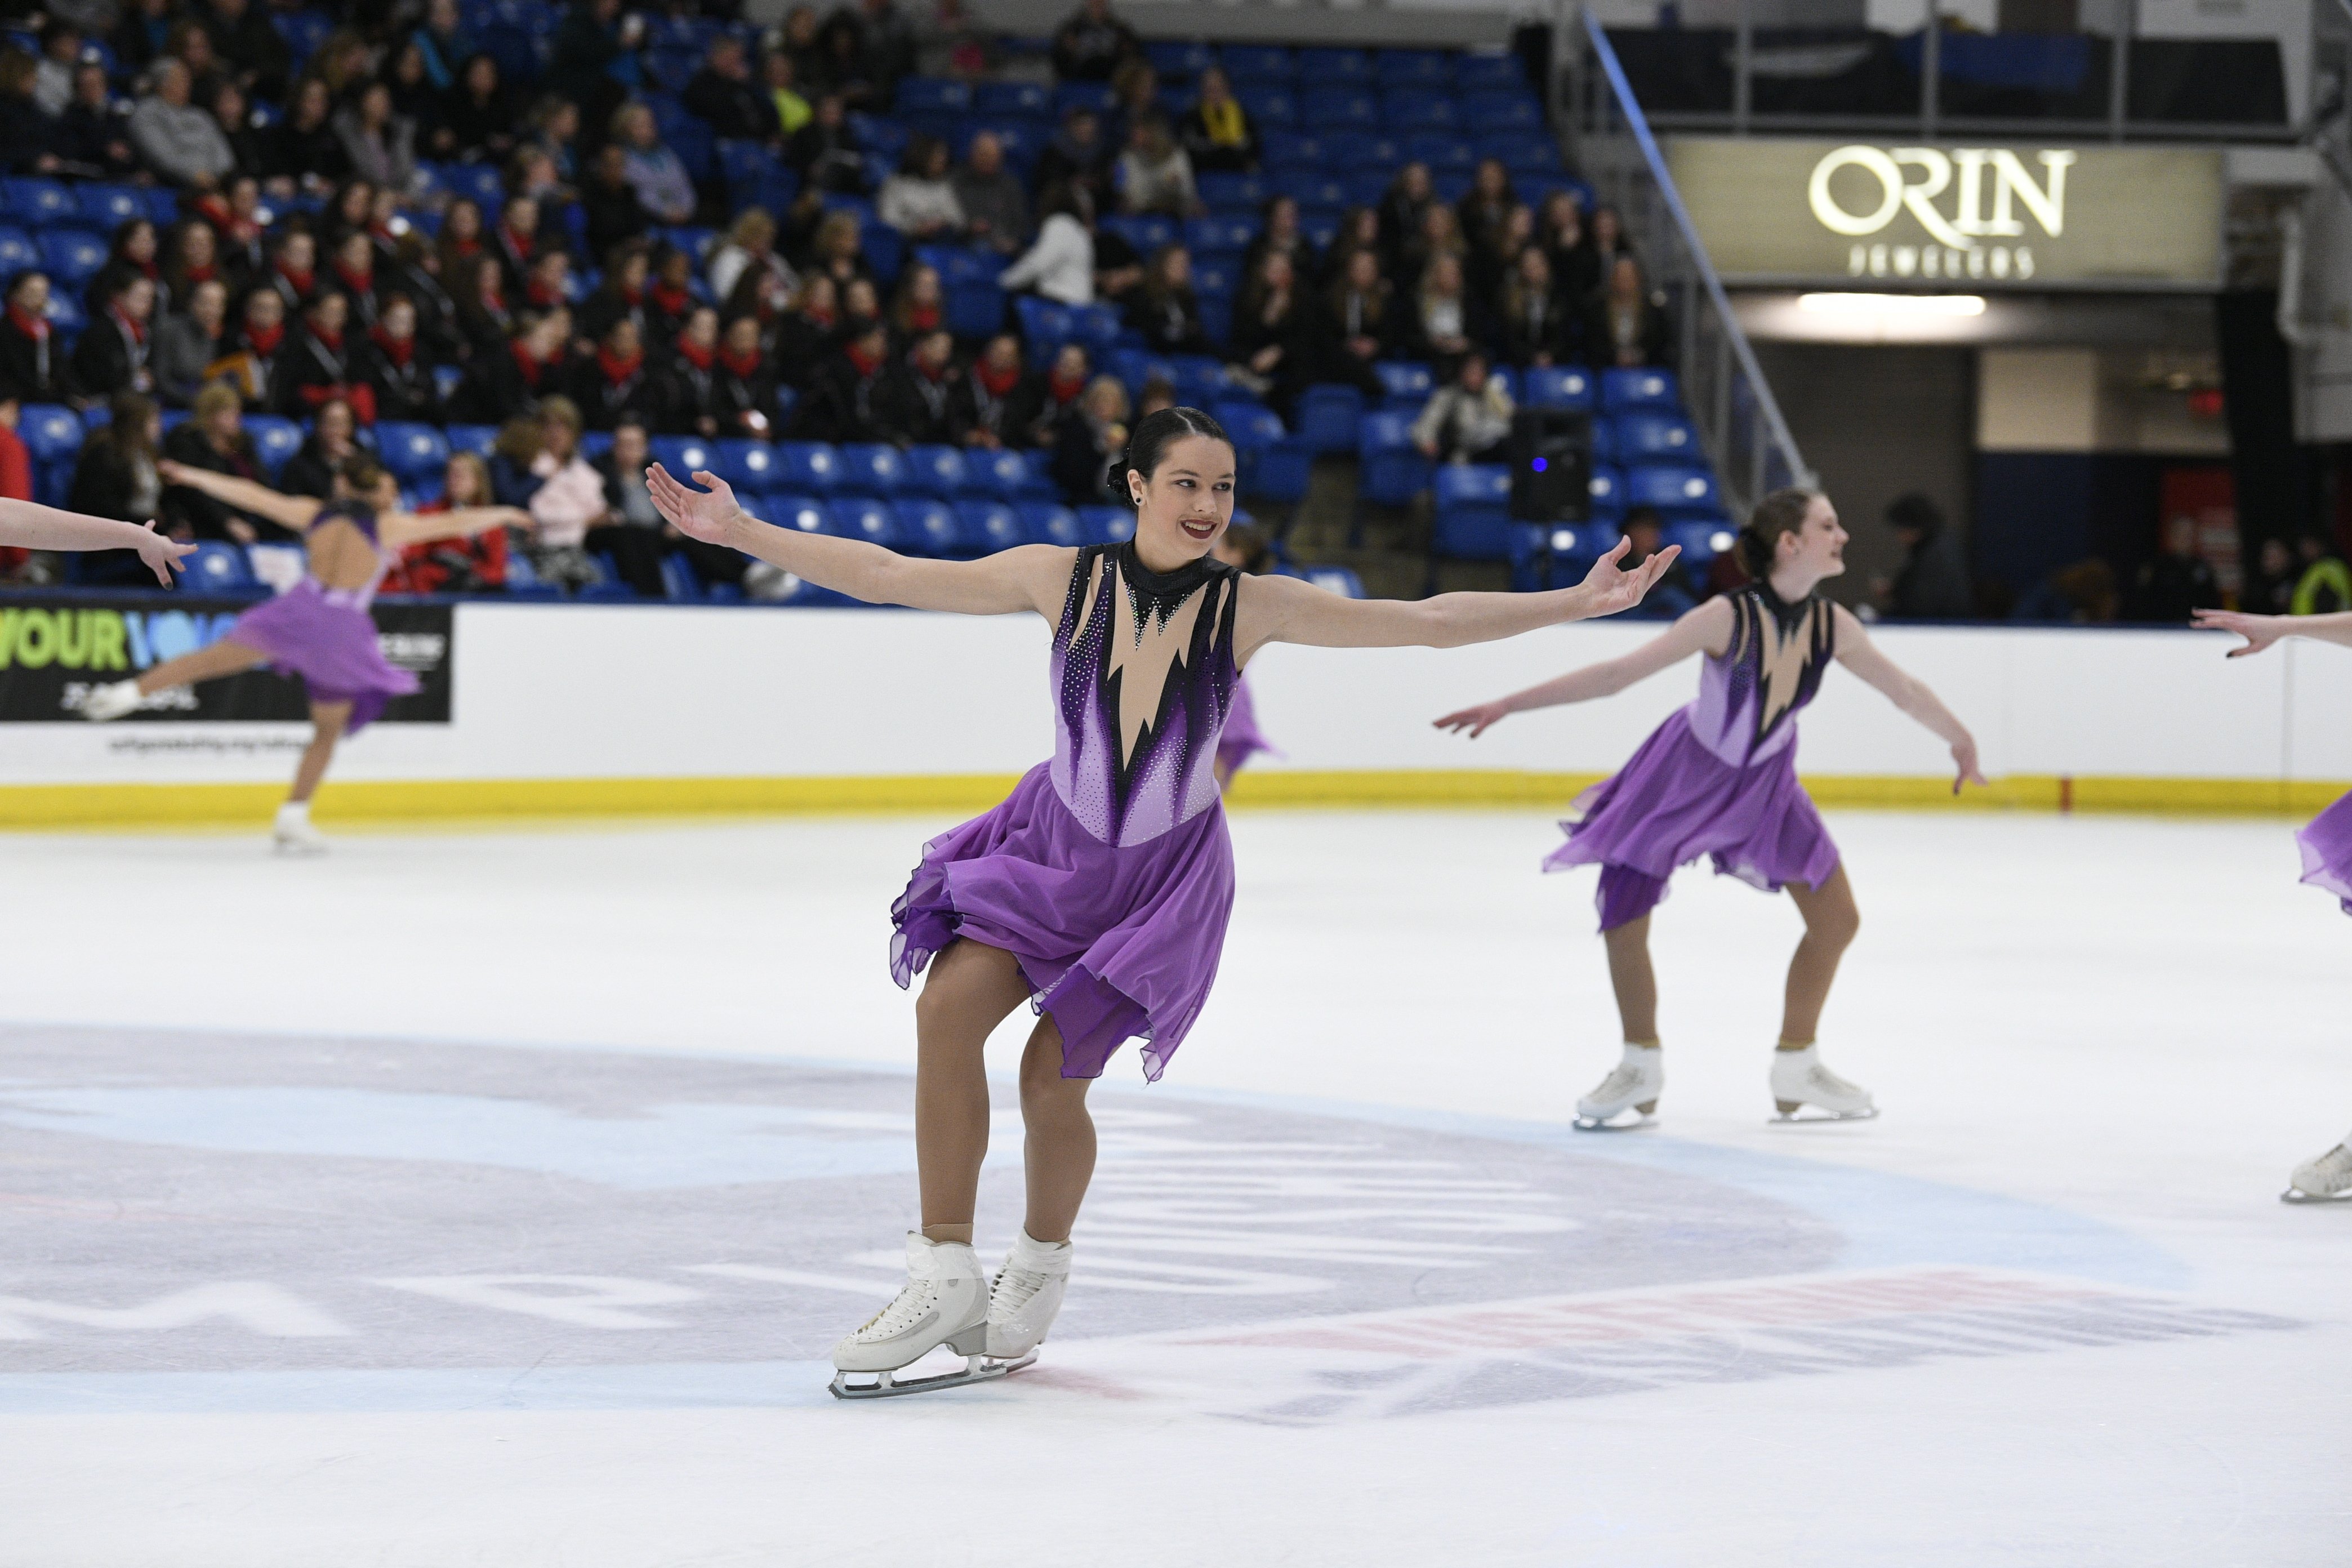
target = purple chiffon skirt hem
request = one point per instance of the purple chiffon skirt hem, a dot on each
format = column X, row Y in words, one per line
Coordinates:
column 2327, row 843
column 332, row 647
column 1114, row 942
column 1677, row 801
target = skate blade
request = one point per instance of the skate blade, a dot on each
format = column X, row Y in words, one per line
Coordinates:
column 2297, row 1195
column 1616, row 1122
column 976, row 1369
column 1806, row 1115
column 295, row 850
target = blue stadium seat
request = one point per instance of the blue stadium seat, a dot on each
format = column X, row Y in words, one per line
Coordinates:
column 1473, row 512
column 478, row 439
column 1443, row 150
column 806, row 514
column 1559, row 386
column 1216, row 274
column 1313, row 188
column 1328, row 418
column 277, row 439
column 70, row 255
column 1096, row 95
column 1474, row 73
column 1339, row 108
column 682, row 455
column 1013, row 101
column 1601, row 435
column 871, row 469
column 866, row 517
column 1002, row 473
column 931, row 527
column 1411, row 109
column 1607, row 490
column 1228, row 193
column 17, row 251
column 50, row 432
column 1292, row 150
column 1048, row 522
column 595, row 444
column 1350, row 66
column 1670, row 488
column 1274, row 466
column 1272, row 107
column 1416, row 68
column 413, row 452
column 1653, row 438
column 1216, row 232
column 1405, row 382
column 162, row 205
column 990, row 525
column 679, row 583
column 670, row 69
column 1257, row 63
column 1378, row 151
column 1044, row 325
column 1095, row 326
column 956, row 264
column 1106, row 524
column 748, row 465
column 1200, row 379
column 1178, row 61
column 1146, row 232
column 104, row 206
column 37, row 203
column 1490, row 111
column 216, row 568
column 1527, row 154
column 479, row 183
column 936, row 471
column 975, row 309
column 1339, row 580
column 932, row 95
column 1134, row 367
column 807, row 467
column 1627, row 389
column 1702, row 540
column 1393, row 470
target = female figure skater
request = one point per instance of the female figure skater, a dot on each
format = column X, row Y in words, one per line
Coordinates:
column 25, row 525
column 1719, row 778
column 1099, row 890
column 1242, row 547
column 320, row 629
column 2326, row 841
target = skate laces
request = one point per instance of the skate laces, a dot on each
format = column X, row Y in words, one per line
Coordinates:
column 1823, row 1078
column 1015, row 1288
column 1623, row 1079
column 914, row 1299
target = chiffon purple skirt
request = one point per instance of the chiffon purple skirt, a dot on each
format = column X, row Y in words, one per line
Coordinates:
column 1114, row 942
column 1677, row 801
column 2326, row 842
column 332, row 645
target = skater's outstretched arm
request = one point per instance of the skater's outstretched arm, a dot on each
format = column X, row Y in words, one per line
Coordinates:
column 399, row 530
column 1707, row 629
column 1907, row 691
column 2260, row 631
column 1287, row 609
column 1026, row 577
column 296, row 512
column 26, row 526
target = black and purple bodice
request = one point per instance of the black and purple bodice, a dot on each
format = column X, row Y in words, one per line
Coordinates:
column 1143, row 680
column 1749, row 697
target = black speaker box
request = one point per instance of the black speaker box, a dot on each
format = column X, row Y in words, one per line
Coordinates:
column 1551, row 465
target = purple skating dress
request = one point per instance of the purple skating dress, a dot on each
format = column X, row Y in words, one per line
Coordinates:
column 1719, row 777
column 1242, row 738
column 2326, row 841
column 326, row 635
column 1106, row 872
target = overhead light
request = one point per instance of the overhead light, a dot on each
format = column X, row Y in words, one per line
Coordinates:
column 1892, row 304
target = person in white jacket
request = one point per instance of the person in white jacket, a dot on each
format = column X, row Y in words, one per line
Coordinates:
column 1061, row 264
column 919, row 201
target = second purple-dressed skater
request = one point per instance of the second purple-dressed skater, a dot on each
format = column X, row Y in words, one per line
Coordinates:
column 1719, row 779
column 1099, row 892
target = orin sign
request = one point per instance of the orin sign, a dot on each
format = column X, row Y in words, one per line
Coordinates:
column 2042, row 216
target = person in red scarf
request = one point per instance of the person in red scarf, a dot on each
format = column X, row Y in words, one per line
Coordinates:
column 688, row 404
column 548, row 285
column 133, row 250
column 809, row 334
column 194, row 258
column 400, row 365
column 614, row 380
column 294, row 269
column 353, row 266
column 328, row 363
column 516, row 239
column 911, row 402
column 530, row 366
column 112, row 357
column 237, row 227
column 839, row 406
column 920, row 306
column 485, row 317
column 31, row 358
column 669, row 298
column 628, row 268
column 1065, row 383
column 255, row 348
column 997, row 400
column 15, row 475
column 744, row 386
column 461, row 238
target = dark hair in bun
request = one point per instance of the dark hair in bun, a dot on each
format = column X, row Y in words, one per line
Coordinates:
column 1782, row 511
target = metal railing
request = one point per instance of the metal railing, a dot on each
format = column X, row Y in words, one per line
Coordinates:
column 1738, row 421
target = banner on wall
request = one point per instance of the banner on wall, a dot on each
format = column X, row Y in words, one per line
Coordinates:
column 1949, row 217
column 55, row 647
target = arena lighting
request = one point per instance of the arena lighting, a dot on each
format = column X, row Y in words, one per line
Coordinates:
column 1892, row 304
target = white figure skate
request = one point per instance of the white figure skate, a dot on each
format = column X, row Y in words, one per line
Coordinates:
column 1631, row 1087
column 1798, row 1081
column 114, row 701
column 944, row 1302
column 1022, row 1301
column 2326, row 1180
column 292, row 834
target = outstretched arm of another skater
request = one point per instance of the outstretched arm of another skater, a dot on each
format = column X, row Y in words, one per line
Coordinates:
column 401, row 529
column 296, row 512
column 26, row 526
column 1908, row 692
column 1026, row 577
column 2261, row 631
column 1707, row 629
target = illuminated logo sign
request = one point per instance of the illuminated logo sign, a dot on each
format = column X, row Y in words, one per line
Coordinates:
column 2129, row 217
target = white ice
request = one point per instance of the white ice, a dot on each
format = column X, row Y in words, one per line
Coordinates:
column 2142, row 1023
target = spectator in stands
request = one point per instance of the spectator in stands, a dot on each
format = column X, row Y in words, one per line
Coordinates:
column 839, row 406
column 92, row 138
column 351, row 210
column 887, row 41
column 328, row 362
column 995, row 208
column 1441, row 235
column 614, row 380
column 345, row 62
column 919, row 306
column 466, row 563
column 1154, row 173
column 293, row 270
column 515, row 239
column 570, row 519
column 1624, row 327
column 193, row 256
column 535, row 173
column 2176, row 583
column 744, row 386
column 304, row 155
column 535, row 364
column 115, row 474
column 2325, row 586
column 461, row 241
column 548, row 284
column 723, row 96
column 1490, row 265
column 1275, row 339
column 112, row 357
column 911, row 400
column 417, row 100
column 379, row 145
column 188, row 342
column 138, row 38
column 236, row 215
column 996, row 400
column 919, row 201
column 1482, row 209
column 1536, row 330
column 806, row 334
column 16, row 481
column 1410, row 196
column 1079, row 154
column 445, row 45
column 1442, row 322
column 593, row 57
column 1609, row 242
column 1278, row 229
column 249, row 46
column 1134, row 93
column 802, row 42
column 31, row 359
column 352, row 271
column 193, row 47
column 781, row 79
column 1361, row 325
column 25, row 133
column 334, row 437
column 485, row 320
column 1157, row 392
column 669, row 297
column 837, row 251
column 950, row 42
column 178, row 142
column 478, row 121
column 1217, row 131
column 861, row 308
column 684, row 397
column 53, row 73
column 256, row 348
column 1933, row 585
column 1165, row 311
column 2081, row 594
column 1093, row 44
column 213, row 438
column 132, row 250
column 843, row 68
column 1467, row 419
column 399, row 366
column 1089, row 439
column 632, row 517
column 1065, row 383
column 1575, row 265
column 654, row 170
column 826, row 153
column 2270, row 586
column 621, row 296
column 514, row 451
column 1061, row 264
column 1675, row 591
column 610, row 202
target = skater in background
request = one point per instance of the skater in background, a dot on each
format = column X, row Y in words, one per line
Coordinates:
column 1243, row 548
column 1100, row 890
column 1719, row 778
column 2326, row 842
column 26, row 525
column 320, row 629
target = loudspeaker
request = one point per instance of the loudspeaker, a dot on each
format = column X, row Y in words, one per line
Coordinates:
column 1551, row 465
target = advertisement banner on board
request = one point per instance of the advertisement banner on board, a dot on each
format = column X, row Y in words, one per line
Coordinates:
column 55, row 647
column 1950, row 216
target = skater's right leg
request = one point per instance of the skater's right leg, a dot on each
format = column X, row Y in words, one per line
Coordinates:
column 223, row 656
column 972, row 988
column 1632, row 1086
column 1633, row 981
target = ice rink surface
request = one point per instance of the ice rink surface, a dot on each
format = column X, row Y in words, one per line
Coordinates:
column 492, row 1199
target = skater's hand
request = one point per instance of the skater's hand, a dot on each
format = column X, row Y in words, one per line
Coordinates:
column 2259, row 631
column 162, row 555
column 705, row 517
column 1964, row 760
column 1477, row 721
column 1611, row 590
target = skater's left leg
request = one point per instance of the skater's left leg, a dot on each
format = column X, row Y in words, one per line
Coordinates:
column 1830, row 922
column 328, row 721
column 1059, row 1151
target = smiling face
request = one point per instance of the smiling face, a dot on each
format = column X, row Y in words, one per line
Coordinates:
column 1186, row 502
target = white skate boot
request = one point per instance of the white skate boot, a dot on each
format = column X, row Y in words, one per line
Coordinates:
column 292, row 834
column 1799, row 1080
column 113, row 700
column 1027, row 1295
column 1632, row 1086
column 944, row 1302
column 2327, row 1180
